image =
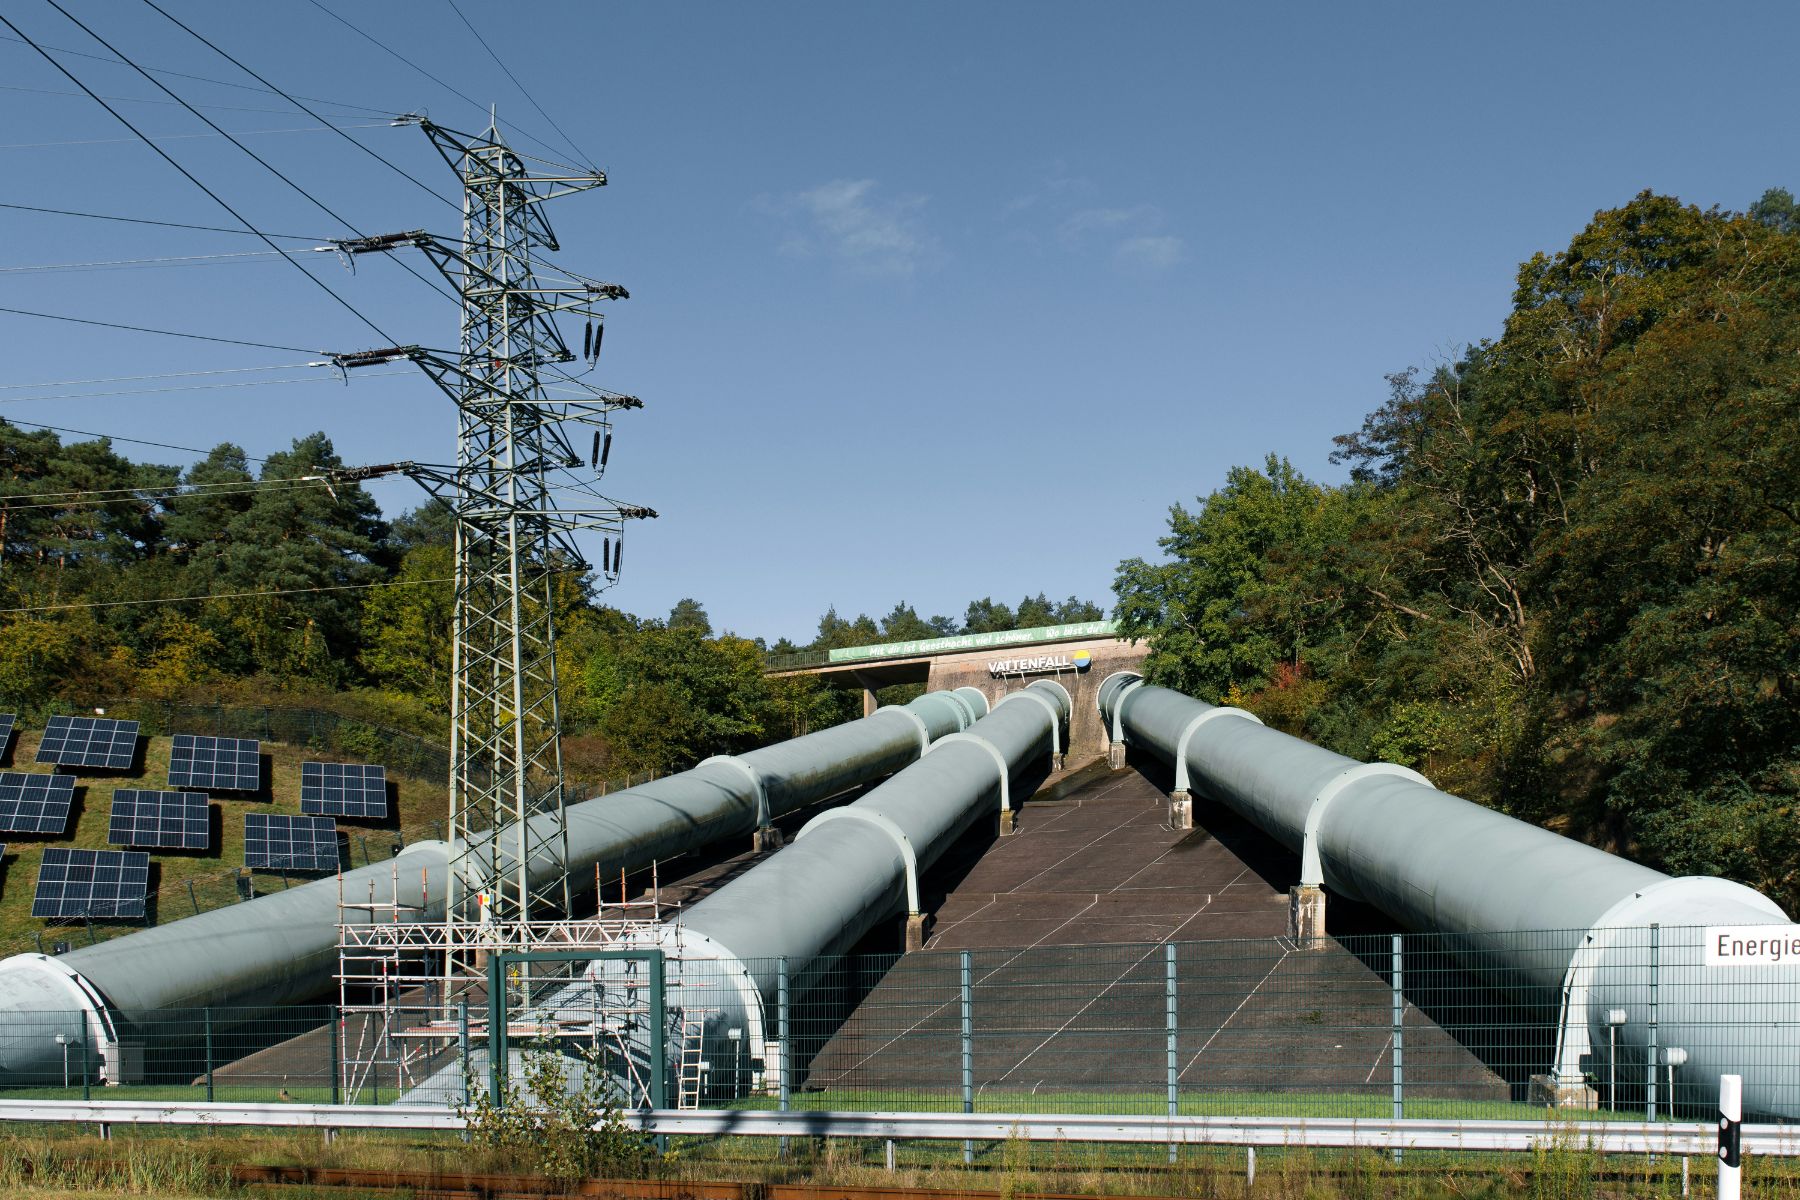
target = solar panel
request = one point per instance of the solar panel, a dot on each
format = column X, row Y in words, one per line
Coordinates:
column 91, row 883
column 216, row 763
column 343, row 790
column 89, row 742
column 31, row 802
column 273, row 841
column 7, row 721
column 179, row 820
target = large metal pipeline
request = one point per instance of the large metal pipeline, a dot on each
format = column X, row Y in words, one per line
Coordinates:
column 1569, row 920
column 282, row 948
column 850, row 869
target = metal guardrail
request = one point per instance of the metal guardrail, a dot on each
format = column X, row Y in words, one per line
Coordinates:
column 1612, row 1137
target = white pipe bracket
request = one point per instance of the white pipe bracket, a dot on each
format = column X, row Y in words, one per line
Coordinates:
column 1312, row 871
column 756, row 784
column 1049, row 707
column 1118, row 721
column 993, row 753
column 887, row 826
column 1181, row 743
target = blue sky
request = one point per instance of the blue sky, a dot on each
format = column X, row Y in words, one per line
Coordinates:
column 931, row 301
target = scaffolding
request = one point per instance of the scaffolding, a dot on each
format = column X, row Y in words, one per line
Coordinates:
column 406, row 1030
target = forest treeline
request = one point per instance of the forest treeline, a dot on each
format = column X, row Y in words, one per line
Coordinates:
column 312, row 597
column 1564, row 578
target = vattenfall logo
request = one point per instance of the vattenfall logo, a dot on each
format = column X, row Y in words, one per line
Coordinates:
column 1080, row 660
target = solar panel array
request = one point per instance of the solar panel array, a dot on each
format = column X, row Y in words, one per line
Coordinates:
column 33, row 802
column 91, row 883
column 7, row 721
column 273, row 842
column 178, row 820
column 89, row 742
column 215, row 763
column 343, row 790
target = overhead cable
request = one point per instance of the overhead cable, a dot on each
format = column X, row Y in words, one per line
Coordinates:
column 190, row 176
column 179, row 137
column 198, row 337
column 174, row 490
column 168, row 261
column 196, row 387
column 13, row 87
column 381, row 45
column 336, row 587
column 119, row 437
column 14, row 387
column 66, row 212
column 295, row 101
column 473, row 32
column 243, row 87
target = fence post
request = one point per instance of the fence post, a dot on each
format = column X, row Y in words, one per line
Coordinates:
column 195, row 900
column 462, row 1044
column 1170, row 1025
column 336, row 1032
column 1399, row 1035
column 784, row 1031
column 86, row 1069
column 968, row 1045
column 1399, row 1029
column 1650, row 1058
column 209, row 1054
column 1731, row 1116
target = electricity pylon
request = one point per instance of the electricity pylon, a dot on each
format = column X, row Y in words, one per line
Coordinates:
column 519, row 492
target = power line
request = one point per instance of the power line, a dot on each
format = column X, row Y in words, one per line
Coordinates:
column 473, row 32
column 65, row 212
column 168, row 261
column 381, row 45
column 14, row 387
column 115, row 437
column 181, row 137
column 336, row 587
column 198, row 337
column 7, row 505
column 295, row 101
column 192, row 387
column 242, row 87
column 314, row 200
column 220, row 200
column 13, row 87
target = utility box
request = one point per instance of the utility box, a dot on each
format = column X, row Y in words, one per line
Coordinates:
column 123, row 1062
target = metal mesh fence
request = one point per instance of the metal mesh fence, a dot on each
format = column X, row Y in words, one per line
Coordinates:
column 1632, row 1023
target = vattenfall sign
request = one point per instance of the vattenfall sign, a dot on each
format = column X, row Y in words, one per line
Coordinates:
column 1752, row 945
column 976, row 641
column 1041, row 664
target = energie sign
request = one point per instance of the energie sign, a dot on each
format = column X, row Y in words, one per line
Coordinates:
column 1752, row 945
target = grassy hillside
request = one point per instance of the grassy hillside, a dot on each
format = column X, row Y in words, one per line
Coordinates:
column 211, row 873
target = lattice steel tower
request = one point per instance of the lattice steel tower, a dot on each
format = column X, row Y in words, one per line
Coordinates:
column 519, row 491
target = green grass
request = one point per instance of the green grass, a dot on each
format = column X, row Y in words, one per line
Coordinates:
column 1212, row 1104
column 223, row 1093
column 212, row 872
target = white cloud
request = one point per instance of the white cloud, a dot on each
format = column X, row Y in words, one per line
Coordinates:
column 1150, row 254
column 1057, row 189
column 1078, row 225
column 847, row 220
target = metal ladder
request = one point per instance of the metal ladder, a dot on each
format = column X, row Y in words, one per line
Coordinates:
column 688, row 1069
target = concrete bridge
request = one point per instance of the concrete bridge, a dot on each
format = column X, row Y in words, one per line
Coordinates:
column 1077, row 655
